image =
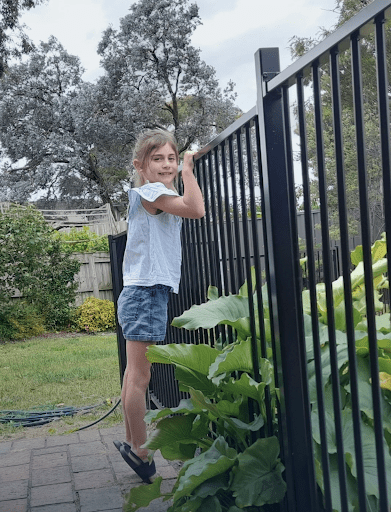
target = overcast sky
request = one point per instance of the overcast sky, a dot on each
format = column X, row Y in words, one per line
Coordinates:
column 231, row 32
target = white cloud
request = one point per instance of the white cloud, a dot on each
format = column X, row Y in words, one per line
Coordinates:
column 248, row 15
column 77, row 25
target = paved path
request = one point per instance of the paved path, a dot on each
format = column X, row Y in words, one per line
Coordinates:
column 79, row 472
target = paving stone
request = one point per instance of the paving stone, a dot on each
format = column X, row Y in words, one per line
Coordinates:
column 126, row 479
column 62, row 440
column 50, row 449
column 167, row 485
column 89, row 435
column 13, row 506
column 5, row 447
column 49, row 476
column 94, row 500
column 12, row 473
column 89, row 463
column 28, row 444
column 51, row 494
column 50, row 460
column 116, row 430
column 13, row 490
column 15, row 458
column 62, row 507
column 113, row 510
column 94, row 479
column 166, row 472
column 92, row 448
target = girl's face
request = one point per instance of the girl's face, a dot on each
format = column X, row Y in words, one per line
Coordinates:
column 161, row 166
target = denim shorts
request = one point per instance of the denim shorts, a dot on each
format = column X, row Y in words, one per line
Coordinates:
column 142, row 312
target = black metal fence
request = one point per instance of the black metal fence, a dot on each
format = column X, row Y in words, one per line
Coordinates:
column 334, row 417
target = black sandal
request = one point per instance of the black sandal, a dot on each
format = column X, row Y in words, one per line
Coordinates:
column 144, row 469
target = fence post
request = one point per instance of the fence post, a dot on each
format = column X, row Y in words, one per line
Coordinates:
column 284, row 289
column 117, row 247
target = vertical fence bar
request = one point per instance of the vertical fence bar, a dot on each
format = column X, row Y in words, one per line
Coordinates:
column 384, row 117
column 345, row 254
column 286, row 313
column 228, row 228
column 235, row 207
column 366, row 243
column 312, row 291
column 328, row 278
column 258, row 271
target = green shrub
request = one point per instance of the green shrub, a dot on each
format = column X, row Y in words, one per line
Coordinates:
column 81, row 241
column 31, row 261
column 95, row 315
column 20, row 320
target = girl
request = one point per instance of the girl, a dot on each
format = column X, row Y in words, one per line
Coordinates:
column 151, row 270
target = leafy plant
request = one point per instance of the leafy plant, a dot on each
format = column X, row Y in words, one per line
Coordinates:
column 227, row 466
column 20, row 320
column 215, row 420
column 32, row 263
column 83, row 240
column 95, row 315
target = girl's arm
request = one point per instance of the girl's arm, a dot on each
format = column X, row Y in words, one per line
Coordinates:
column 191, row 204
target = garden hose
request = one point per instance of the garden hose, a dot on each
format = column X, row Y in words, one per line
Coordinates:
column 100, row 419
column 35, row 418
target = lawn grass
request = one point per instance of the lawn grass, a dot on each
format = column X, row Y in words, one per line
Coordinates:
column 71, row 371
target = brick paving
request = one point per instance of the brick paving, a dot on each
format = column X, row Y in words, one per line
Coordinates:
column 79, row 472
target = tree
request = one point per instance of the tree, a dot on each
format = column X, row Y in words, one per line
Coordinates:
column 55, row 133
column 13, row 40
column 347, row 9
column 73, row 140
column 150, row 59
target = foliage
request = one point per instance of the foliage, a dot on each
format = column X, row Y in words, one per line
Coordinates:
column 83, row 240
column 220, row 383
column 14, row 42
column 20, row 320
column 221, row 421
column 31, row 262
column 347, row 9
column 149, row 62
column 72, row 141
column 95, row 315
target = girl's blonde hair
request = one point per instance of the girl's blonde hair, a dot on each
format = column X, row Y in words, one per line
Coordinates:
column 146, row 143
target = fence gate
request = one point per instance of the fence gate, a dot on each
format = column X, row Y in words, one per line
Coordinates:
column 330, row 348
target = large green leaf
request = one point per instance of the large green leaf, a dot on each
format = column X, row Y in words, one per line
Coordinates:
column 368, row 449
column 173, row 430
column 178, row 451
column 238, row 359
column 195, row 357
column 217, row 460
column 185, row 406
column 224, row 310
column 212, row 486
column 142, row 495
column 246, row 386
column 365, row 393
column 342, row 358
column 188, row 378
column 257, row 479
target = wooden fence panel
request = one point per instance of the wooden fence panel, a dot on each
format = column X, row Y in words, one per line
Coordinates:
column 94, row 277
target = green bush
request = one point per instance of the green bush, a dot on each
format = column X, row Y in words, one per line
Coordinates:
column 31, row 261
column 95, row 315
column 20, row 320
column 82, row 241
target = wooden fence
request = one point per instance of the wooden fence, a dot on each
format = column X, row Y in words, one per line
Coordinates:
column 94, row 277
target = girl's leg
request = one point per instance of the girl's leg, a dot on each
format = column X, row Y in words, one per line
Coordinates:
column 135, row 385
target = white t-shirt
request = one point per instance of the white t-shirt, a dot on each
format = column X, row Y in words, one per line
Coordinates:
column 153, row 247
